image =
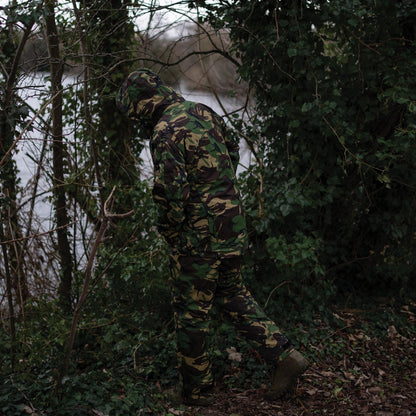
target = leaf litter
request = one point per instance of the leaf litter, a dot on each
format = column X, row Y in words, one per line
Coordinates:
column 375, row 376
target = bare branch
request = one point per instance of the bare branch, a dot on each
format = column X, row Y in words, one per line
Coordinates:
column 88, row 273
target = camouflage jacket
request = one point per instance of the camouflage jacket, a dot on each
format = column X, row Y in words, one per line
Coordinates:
column 194, row 166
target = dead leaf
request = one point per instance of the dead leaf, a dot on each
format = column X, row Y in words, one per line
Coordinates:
column 176, row 412
column 233, row 355
column 392, row 331
column 312, row 392
column 349, row 376
column 375, row 390
column 98, row 413
column 327, row 374
column 363, row 337
column 361, row 379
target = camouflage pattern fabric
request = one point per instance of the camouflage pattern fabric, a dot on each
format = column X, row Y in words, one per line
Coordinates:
column 202, row 218
column 194, row 164
column 198, row 283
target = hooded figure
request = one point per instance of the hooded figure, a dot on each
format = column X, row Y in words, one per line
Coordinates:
column 202, row 219
column 194, row 164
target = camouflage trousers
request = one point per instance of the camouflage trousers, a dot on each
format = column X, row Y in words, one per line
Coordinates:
column 198, row 282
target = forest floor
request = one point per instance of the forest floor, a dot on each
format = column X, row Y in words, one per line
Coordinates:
column 371, row 376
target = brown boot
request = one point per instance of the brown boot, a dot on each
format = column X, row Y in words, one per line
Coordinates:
column 286, row 374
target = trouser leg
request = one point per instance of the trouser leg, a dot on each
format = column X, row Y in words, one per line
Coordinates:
column 193, row 288
column 247, row 316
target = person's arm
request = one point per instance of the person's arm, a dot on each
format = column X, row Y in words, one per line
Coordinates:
column 171, row 187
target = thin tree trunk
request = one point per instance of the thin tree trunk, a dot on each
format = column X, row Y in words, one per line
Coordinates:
column 9, row 293
column 8, row 172
column 56, row 68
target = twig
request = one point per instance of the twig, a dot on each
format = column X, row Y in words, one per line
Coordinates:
column 286, row 282
column 360, row 41
column 6, row 155
column 29, row 237
column 100, row 236
column 348, row 150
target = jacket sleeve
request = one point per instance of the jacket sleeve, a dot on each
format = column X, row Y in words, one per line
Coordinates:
column 171, row 187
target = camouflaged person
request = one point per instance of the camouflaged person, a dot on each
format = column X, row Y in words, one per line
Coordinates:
column 202, row 219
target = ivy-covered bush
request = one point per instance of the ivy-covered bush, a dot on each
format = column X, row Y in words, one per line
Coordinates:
column 335, row 127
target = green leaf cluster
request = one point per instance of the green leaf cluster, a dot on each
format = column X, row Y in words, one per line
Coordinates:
column 335, row 126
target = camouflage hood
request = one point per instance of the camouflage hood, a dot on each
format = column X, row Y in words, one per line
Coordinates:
column 143, row 97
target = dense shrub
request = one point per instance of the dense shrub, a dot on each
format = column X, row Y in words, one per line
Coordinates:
column 334, row 195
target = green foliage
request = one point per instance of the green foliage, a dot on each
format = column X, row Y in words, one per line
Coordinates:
column 296, row 258
column 111, row 38
column 116, row 362
column 330, row 201
column 25, row 12
column 250, row 372
column 335, row 126
column 134, row 262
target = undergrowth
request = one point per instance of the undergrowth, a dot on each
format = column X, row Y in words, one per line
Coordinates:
column 124, row 365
